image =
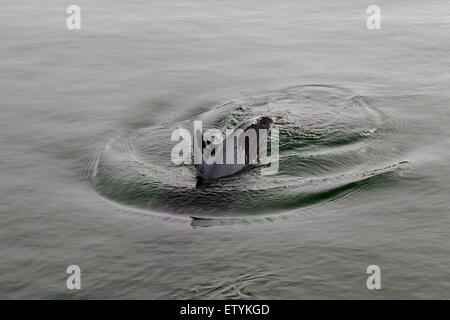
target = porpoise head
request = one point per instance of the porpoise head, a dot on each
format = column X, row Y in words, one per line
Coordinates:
column 244, row 140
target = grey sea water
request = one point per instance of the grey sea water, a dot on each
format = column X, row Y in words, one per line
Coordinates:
column 85, row 171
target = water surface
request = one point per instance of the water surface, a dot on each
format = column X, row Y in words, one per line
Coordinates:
column 85, row 167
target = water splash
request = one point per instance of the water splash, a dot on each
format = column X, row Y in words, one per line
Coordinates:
column 333, row 144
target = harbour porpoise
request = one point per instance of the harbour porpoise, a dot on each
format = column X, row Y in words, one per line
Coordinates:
column 244, row 143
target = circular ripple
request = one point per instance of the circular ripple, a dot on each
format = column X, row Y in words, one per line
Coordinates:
column 333, row 144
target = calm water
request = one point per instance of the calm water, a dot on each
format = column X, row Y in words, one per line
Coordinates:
column 85, row 167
